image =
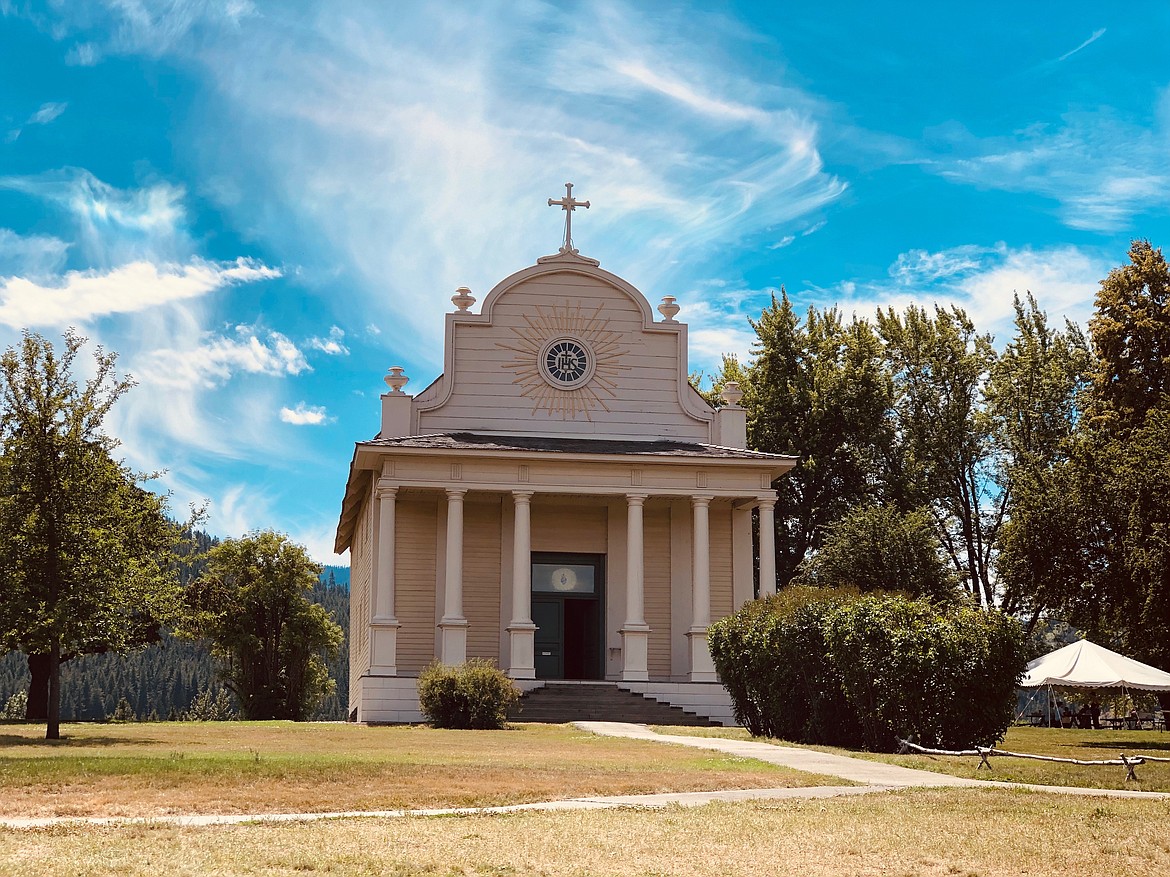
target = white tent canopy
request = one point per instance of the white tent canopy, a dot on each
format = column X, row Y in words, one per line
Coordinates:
column 1088, row 665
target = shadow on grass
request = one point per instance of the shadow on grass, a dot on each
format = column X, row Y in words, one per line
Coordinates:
column 67, row 740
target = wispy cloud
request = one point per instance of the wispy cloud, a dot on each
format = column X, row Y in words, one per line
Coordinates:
column 386, row 118
column 30, row 255
column 304, row 415
column 113, row 226
column 45, row 114
column 1097, row 34
column 1100, row 169
column 80, row 296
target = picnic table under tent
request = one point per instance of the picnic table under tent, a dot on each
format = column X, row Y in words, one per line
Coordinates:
column 1087, row 665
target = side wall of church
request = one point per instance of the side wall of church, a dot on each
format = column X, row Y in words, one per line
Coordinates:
column 360, row 590
column 496, row 386
column 481, row 577
column 416, row 525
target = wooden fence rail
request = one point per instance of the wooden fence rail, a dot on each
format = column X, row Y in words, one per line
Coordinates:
column 984, row 753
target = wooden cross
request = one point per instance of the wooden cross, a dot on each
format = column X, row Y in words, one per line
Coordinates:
column 568, row 204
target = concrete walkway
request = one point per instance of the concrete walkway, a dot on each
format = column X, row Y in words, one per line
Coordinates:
column 872, row 777
column 875, row 775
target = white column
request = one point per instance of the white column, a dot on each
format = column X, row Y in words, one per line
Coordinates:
column 702, row 668
column 383, row 624
column 453, row 626
column 521, row 630
column 635, row 631
column 767, row 509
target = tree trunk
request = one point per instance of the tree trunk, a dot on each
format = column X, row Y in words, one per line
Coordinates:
column 38, row 688
column 53, row 723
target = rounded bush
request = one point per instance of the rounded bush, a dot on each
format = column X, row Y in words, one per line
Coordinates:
column 474, row 695
column 833, row 667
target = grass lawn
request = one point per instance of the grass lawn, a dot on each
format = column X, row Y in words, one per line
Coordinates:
column 971, row 833
column 285, row 767
column 1062, row 743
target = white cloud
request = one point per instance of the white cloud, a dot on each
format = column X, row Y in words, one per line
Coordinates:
column 47, row 113
column 318, row 541
column 304, row 415
column 982, row 281
column 332, row 343
column 918, row 267
column 214, row 360
column 79, row 296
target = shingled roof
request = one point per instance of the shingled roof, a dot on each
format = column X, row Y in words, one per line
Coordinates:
column 469, row 441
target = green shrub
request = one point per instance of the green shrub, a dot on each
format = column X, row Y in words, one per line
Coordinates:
column 772, row 658
column 473, row 695
column 945, row 676
column 833, row 667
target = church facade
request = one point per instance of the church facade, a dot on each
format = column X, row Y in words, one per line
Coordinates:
column 559, row 500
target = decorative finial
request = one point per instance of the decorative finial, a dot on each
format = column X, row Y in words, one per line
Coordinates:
column 463, row 299
column 568, row 204
column 668, row 308
column 731, row 393
column 396, row 380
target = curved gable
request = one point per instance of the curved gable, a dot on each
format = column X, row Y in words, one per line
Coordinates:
column 622, row 374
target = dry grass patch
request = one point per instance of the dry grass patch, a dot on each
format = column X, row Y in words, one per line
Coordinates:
column 1085, row 745
column 916, row 832
column 285, row 767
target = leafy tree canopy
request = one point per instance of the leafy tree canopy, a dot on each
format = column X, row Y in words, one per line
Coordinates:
column 253, row 604
column 878, row 548
column 85, row 549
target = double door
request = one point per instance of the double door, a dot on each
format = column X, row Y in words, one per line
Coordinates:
column 567, row 608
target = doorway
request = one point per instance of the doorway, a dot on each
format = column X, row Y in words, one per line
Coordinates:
column 567, row 608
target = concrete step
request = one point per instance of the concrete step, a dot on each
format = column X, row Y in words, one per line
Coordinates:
column 600, row 702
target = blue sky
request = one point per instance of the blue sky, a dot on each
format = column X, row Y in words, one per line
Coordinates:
column 263, row 205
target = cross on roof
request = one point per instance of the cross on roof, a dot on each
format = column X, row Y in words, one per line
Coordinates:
column 568, row 204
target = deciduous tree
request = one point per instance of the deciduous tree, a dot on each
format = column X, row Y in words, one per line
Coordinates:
column 819, row 390
column 253, row 604
column 85, row 551
column 878, row 548
column 941, row 365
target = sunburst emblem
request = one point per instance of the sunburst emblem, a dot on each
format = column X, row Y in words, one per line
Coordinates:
column 566, row 360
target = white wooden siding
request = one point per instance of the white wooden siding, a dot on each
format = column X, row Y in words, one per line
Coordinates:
column 414, row 581
column 656, row 548
column 721, row 570
column 481, row 579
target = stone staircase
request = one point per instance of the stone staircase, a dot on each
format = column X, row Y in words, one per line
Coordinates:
column 556, row 703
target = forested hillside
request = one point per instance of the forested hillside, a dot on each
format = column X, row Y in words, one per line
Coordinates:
column 163, row 679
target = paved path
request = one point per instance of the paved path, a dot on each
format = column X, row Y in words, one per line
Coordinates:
column 872, row 777
column 875, row 775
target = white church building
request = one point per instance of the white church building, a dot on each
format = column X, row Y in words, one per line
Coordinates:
column 559, row 500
